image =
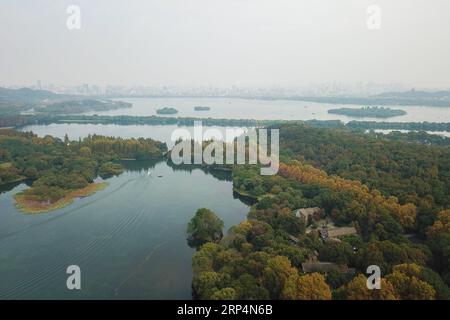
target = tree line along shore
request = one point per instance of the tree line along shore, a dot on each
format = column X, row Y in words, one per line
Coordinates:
column 23, row 120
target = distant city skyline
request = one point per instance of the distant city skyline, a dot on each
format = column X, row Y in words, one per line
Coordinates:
column 323, row 89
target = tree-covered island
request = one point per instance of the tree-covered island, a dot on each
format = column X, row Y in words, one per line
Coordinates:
column 201, row 108
column 61, row 170
column 167, row 110
column 368, row 112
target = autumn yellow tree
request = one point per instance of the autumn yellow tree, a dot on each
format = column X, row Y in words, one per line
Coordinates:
column 85, row 152
column 407, row 284
column 276, row 274
column 362, row 197
column 441, row 225
column 357, row 290
column 308, row 287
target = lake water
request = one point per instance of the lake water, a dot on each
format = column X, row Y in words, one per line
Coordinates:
column 128, row 239
column 267, row 110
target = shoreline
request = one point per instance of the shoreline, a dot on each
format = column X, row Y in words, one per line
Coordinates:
column 35, row 207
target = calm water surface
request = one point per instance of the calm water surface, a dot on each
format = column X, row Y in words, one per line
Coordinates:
column 267, row 110
column 128, row 239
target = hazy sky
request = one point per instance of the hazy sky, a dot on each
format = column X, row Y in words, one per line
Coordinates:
column 225, row 42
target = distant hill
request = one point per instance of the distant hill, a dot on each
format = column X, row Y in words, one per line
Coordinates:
column 80, row 106
column 26, row 95
column 407, row 98
column 14, row 102
column 413, row 94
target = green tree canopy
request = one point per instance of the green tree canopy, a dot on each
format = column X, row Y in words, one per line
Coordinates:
column 204, row 227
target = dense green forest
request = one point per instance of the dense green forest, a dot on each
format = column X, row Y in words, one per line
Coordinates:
column 393, row 196
column 408, row 171
column 57, row 167
column 413, row 136
column 418, row 126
